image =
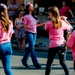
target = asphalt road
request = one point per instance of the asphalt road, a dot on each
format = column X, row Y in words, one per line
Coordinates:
column 19, row 69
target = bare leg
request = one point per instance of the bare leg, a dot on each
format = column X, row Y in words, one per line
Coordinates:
column 23, row 44
column 19, row 43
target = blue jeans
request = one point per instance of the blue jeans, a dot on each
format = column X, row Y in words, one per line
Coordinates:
column 5, row 56
column 31, row 40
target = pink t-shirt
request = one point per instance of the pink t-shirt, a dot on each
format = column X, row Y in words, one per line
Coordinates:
column 64, row 11
column 29, row 20
column 5, row 36
column 56, row 35
column 71, row 43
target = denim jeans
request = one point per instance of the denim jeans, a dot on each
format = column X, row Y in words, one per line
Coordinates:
column 61, row 53
column 5, row 56
column 31, row 40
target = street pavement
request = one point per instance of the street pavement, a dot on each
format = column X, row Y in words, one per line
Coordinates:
column 19, row 69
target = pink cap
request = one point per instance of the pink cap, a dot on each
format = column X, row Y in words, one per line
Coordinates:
column 3, row 5
column 28, row 3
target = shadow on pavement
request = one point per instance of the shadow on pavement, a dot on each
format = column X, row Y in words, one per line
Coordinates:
column 42, row 55
column 54, row 67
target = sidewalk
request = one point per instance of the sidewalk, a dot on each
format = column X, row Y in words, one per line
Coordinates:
column 43, row 40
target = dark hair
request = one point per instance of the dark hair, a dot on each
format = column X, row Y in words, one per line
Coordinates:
column 27, row 11
column 23, row 5
column 19, row 12
column 65, row 2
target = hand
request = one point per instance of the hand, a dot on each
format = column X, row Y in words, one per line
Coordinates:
column 28, row 28
column 18, row 27
column 63, row 18
column 38, row 25
column 21, row 26
column 43, row 23
column 68, row 35
column 11, row 8
column 68, row 48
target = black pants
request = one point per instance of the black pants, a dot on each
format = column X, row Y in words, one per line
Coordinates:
column 61, row 53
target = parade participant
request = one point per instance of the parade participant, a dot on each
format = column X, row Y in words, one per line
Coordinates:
column 6, row 31
column 30, row 24
column 56, row 29
column 71, row 44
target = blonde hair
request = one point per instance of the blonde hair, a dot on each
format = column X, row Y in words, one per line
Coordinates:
column 56, row 17
column 4, row 18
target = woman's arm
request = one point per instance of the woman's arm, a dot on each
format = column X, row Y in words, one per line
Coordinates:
column 70, row 40
column 65, row 19
column 71, row 13
column 68, row 37
column 68, row 47
column 69, row 25
column 21, row 26
column 16, row 24
column 38, row 25
column 12, row 30
column 27, row 27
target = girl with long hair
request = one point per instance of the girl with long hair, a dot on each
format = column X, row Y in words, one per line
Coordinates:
column 56, row 29
column 6, row 31
column 30, row 24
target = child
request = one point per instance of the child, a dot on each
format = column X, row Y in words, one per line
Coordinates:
column 56, row 29
column 30, row 24
column 6, row 31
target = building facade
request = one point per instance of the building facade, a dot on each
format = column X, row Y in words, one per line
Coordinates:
column 21, row 1
column 39, row 2
column 40, row 5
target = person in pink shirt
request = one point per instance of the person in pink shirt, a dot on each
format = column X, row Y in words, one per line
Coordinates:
column 56, row 28
column 71, row 44
column 6, row 31
column 65, row 10
column 30, row 24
